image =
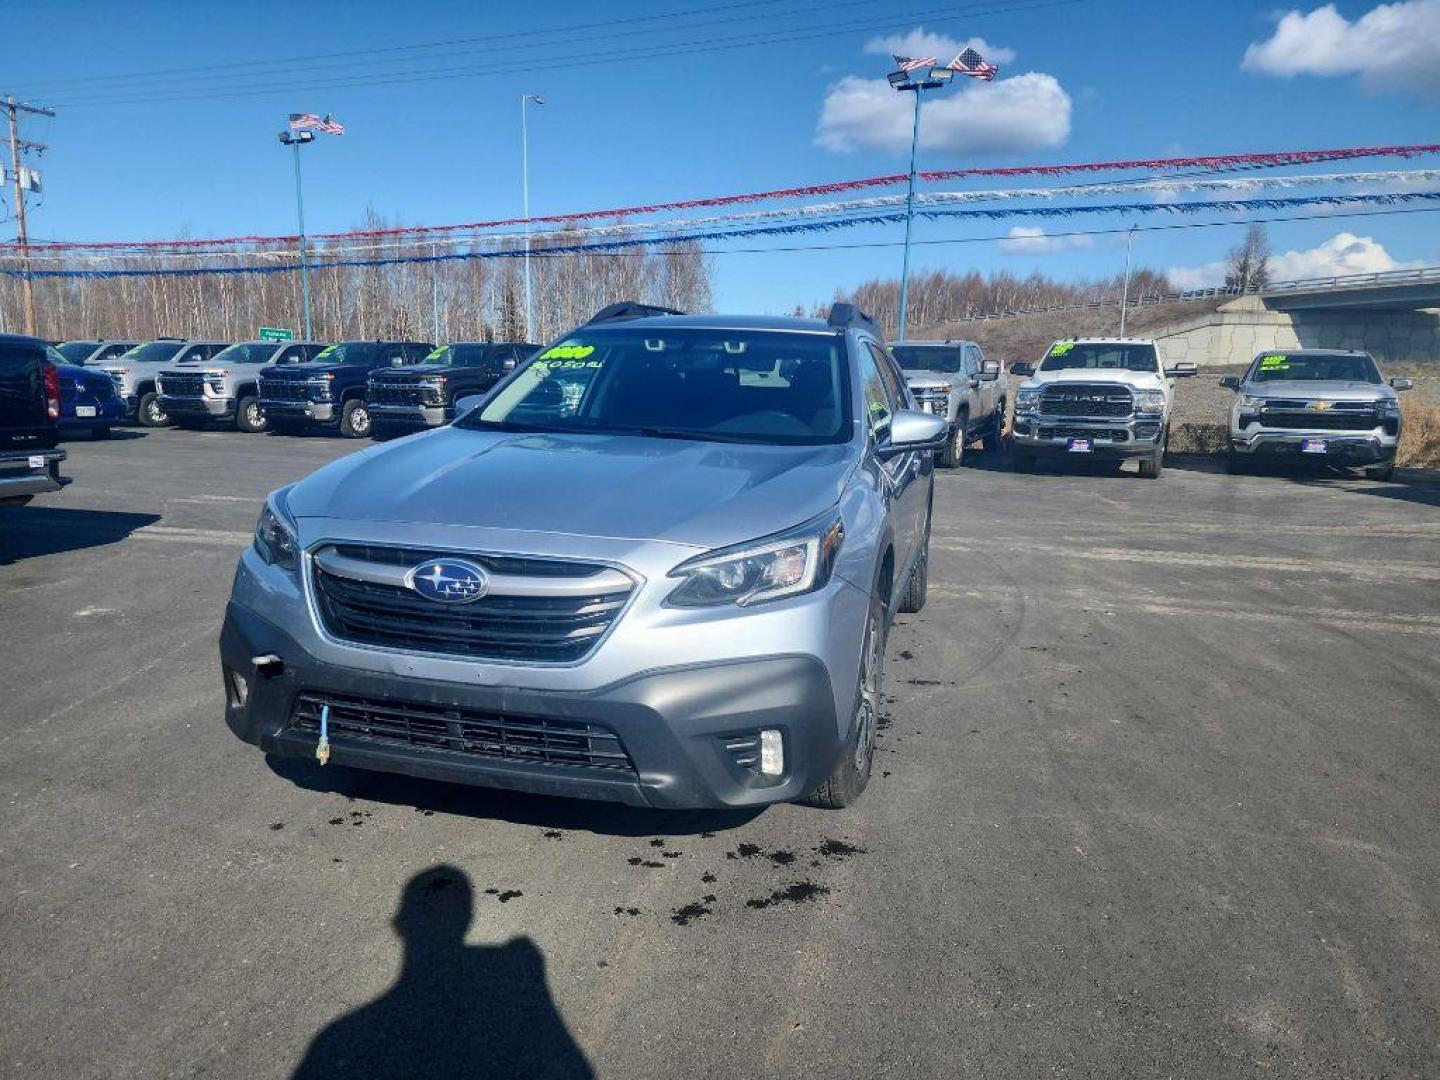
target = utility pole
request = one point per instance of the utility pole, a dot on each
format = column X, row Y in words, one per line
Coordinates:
column 525, row 99
column 1125, row 288
column 12, row 110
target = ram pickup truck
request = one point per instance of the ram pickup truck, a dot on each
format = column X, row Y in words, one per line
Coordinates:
column 1319, row 405
column 1095, row 398
column 423, row 395
column 954, row 380
column 89, row 401
column 134, row 373
column 657, row 564
column 29, row 420
column 330, row 389
column 225, row 388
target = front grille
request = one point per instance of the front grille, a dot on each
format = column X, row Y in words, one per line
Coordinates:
column 1320, row 421
column 1098, row 434
column 549, row 626
column 182, row 385
column 296, row 390
column 379, row 393
column 471, row 732
column 1086, row 399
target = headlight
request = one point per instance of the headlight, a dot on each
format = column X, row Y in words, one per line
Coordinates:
column 787, row 564
column 275, row 539
column 1387, row 407
column 1027, row 399
column 215, row 382
column 1248, row 401
column 1150, row 401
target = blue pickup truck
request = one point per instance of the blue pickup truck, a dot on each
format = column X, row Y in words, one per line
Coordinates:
column 90, row 401
column 330, row 389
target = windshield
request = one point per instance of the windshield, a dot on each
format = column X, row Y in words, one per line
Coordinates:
column 458, row 355
column 247, row 352
column 1100, row 355
column 1317, row 367
column 715, row 385
column 154, row 351
column 75, row 352
column 946, row 358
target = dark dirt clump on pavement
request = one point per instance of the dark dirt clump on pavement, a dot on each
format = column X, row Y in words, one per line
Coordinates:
column 801, row 892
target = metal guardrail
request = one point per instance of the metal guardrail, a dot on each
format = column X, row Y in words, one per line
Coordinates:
column 1419, row 276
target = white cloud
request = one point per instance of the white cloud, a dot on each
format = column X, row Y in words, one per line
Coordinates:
column 922, row 42
column 1392, row 46
column 1029, row 240
column 1009, row 116
column 1344, row 253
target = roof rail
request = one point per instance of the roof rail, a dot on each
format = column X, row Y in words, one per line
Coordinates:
column 848, row 316
column 629, row 309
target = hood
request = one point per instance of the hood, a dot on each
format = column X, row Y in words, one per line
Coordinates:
column 304, row 371
column 1319, row 390
column 918, row 380
column 1136, row 380
column 415, row 371
column 616, row 486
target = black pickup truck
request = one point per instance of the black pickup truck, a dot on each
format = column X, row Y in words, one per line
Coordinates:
column 330, row 389
column 424, row 395
column 29, row 420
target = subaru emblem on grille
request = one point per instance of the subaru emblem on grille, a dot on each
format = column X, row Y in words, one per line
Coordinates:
column 448, row 581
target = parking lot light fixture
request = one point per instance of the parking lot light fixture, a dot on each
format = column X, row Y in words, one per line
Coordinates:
column 295, row 140
column 906, row 82
column 526, row 99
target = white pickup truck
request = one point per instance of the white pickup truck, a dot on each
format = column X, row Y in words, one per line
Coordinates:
column 1095, row 397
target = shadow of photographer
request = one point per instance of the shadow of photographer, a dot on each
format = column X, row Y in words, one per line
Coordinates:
column 456, row 1010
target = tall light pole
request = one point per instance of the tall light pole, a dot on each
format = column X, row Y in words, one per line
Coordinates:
column 1125, row 287
column 906, row 82
column 295, row 141
column 525, row 99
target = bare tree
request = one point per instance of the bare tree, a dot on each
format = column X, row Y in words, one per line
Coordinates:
column 1248, row 266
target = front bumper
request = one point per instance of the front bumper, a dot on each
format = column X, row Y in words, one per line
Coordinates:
column 315, row 411
column 411, row 415
column 24, row 473
column 1110, row 437
column 107, row 414
column 676, row 724
column 1345, row 447
column 206, row 408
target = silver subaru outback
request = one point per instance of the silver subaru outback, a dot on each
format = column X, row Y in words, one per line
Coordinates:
column 655, row 564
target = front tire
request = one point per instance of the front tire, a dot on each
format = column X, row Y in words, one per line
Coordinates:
column 101, row 433
column 1152, row 466
column 851, row 774
column 149, row 413
column 919, row 584
column 249, row 417
column 954, row 452
column 1380, row 472
column 355, row 420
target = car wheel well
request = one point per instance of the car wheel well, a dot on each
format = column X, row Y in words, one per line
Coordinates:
column 146, row 387
column 886, row 580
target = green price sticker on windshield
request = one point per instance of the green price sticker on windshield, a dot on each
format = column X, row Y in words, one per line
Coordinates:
column 568, row 352
column 438, row 353
column 1063, row 348
column 326, row 351
column 1273, row 361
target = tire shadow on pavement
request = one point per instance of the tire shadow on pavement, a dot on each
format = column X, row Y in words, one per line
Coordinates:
column 27, row 532
column 518, row 808
column 456, row 1010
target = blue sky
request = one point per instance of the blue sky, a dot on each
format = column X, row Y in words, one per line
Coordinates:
column 1141, row 79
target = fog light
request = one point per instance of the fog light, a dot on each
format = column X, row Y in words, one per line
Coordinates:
column 238, row 688
column 772, row 753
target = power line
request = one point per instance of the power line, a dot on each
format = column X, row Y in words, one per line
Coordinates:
column 624, row 56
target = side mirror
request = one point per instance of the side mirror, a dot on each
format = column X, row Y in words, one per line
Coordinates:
column 987, row 375
column 1183, row 370
column 912, row 430
column 975, row 382
column 1230, row 382
column 466, row 403
column 991, row 367
column 1022, row 368
column 1403, row 384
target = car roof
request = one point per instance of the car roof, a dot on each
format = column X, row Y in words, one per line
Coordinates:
column 934, row 342
column 783, row 323
column 1109, row 341
column 1315, row 352
column 21, row 339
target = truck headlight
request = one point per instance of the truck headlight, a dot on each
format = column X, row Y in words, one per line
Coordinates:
column 787, row 564
column 275, row 537
column 215, row 384
column 1249, row 401
column 1151, row 402
column 1026, row 400
column 1387, row 407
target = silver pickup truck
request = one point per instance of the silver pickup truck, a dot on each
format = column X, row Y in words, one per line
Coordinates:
column 954, row 380
column 224, row 387
column 1316, row 404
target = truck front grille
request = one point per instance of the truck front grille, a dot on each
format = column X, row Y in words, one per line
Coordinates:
column 1086, row 399
column 470, row 732
column 539, row 610
column 183, row 385
column 1060, row 431
column 292, row 390
column 408, row 393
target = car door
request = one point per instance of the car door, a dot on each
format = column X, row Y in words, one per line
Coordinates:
column 885, row 394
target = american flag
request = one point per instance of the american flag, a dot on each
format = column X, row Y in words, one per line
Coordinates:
column 910, row 63
column 304, row 121
column 973, row 64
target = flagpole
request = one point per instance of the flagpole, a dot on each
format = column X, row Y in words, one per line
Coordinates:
column 304, row 256
column 909, row 218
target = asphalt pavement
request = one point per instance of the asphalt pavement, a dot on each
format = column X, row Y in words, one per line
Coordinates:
column 1157, row 798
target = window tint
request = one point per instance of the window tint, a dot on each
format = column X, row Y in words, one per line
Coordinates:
column 75, row 352
column 1069, row 355
column 942, row 358
column 1319, row 367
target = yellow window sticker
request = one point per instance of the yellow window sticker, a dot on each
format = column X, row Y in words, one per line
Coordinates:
column 326, row 351
column 1062, row 348
column 1273, row 361
column 438, row 353
column 568, row 352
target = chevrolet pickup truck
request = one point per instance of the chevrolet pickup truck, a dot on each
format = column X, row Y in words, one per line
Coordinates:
column 423, row 395
column 29, row 421
column 1320, row 405
column 954, row 380
column 134, row 373
column 1095, row 398
column 225, row 388
column 330, row 389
